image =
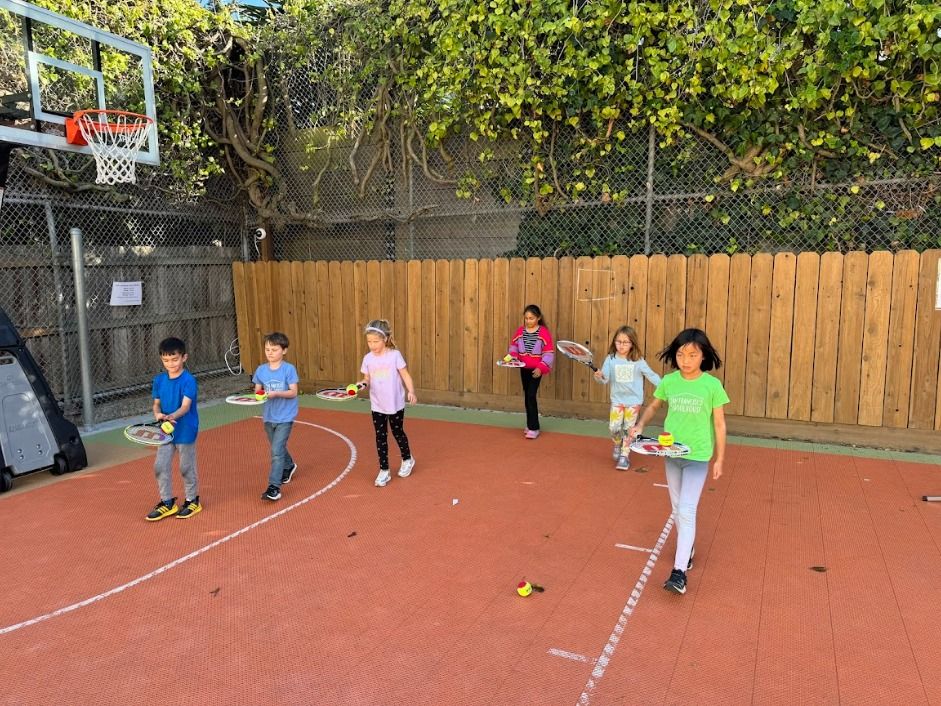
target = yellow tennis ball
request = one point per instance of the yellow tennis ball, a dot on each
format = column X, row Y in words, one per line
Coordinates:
column 167, row 427
column 524, row 588
column 261, row 396
column 507, row 358
column 665, row 439
column 352, row 388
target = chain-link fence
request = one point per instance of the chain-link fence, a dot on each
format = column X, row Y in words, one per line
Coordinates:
column 181, row 255
column 392, row 198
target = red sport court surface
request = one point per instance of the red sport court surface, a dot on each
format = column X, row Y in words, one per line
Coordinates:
column 817, row 575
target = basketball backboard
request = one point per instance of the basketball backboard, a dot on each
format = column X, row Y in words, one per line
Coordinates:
column 52, row 66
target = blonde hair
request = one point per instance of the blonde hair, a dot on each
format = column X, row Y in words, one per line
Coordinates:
column 381, row 327
column 635, row 353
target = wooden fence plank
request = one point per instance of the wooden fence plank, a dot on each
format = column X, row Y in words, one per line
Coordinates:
column 564, row 326
column 927, row 340
column 326, row 348
column 533, row 282
column 469, row 333
column 442, row 325
column 717, row 307
column 484, row 314
column 875, row 339
column 618, row 315
column 428, row 338
column 550, row 309
column 501, row 376
column 779, row 339
column 399, row 325
column 656, row 297
column 637, row 306
column 602, row 285
column 413, row 319
column 312, row 323
column 759, row 328
column 739, row 288
column 829, row 296
column 581, row 332
column 802, row 344
column 674, row 312
column 374, row 291
column 697, row 292
column 849, row 353
column 901, row 337
column 299, row 339
column 455, row 325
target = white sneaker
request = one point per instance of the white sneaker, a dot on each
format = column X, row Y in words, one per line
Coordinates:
column 407, row 465
column 383, row 478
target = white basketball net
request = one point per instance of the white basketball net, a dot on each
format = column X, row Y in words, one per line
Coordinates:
column 115, row 140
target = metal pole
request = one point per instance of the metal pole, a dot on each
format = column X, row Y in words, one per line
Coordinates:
column 648, row 216
column 81, row 309
column 60, row 296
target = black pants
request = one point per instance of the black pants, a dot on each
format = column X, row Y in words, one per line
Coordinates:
column 530, row 388
column 396, row 421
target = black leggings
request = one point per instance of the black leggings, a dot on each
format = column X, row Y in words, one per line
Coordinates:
column 530, row 388
column 396, row 421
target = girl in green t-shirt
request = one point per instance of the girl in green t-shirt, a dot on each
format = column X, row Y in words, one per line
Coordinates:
column 695, row 417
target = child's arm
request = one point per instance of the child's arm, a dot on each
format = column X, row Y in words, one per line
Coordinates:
column 645, row 417
column 603, row 374
column 718, row 423
column 174, row 415
column 648, row 372
column 158, row 413
column 514, row 349
column 286, row 394
column 409, row 385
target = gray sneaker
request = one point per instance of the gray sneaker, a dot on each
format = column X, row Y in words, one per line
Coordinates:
column 616, row 452
column 623, row 464
column 407, row 465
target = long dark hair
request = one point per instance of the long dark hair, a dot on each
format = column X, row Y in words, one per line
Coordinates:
column 535, row 311
column 710, row 358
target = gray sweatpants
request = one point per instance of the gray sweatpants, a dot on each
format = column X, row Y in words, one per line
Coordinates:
column 163, row 468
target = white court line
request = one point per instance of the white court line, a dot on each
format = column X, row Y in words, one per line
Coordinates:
column 636, row 549
column 570, row 655
column 608, row 652
column 198, row 552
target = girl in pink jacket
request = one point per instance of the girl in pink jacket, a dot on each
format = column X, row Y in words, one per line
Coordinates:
column 532, row 344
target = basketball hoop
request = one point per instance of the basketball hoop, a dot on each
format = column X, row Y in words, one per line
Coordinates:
column 115, row 138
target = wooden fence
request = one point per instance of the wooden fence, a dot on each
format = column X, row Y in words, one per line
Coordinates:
column 843, row 339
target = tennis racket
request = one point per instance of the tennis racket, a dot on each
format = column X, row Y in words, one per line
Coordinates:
column 651, row 447
column 575, row 351
column 147, row 434
column 511, row 363
column 341, row 394
column 245, row 399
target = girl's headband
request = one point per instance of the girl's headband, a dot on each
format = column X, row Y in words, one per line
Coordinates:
column 376, row 330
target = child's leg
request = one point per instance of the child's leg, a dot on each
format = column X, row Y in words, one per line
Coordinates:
column 277, row 436
column 396, row 422
column 163, row 465
column 188, row 470
column 685, row 480
column 530, row 389
column 631, row 415
column 616, row 425
column 379, row 422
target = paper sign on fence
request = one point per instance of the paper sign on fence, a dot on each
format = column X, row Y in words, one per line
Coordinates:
column 126, row 293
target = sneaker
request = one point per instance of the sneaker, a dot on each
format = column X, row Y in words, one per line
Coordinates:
column 623, row 464
column 532, row 433
column 407, row 465
column 288, row 474
column 190, row 508
column 273, row 493
column 383, row 478
column 164, row 508
column 689, row 564
column 676, row 582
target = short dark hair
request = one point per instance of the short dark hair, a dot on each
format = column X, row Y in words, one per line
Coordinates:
column 698, row 337
column 276, row 338
column 172, row 346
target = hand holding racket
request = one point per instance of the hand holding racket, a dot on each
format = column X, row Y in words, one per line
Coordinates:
column 246, row 399
column 342, row 394
column 149, row 434
column 508, row 361
column 576, row 351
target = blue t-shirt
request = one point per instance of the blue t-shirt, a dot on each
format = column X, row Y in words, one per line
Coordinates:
column 170, row 392
column 278, row 409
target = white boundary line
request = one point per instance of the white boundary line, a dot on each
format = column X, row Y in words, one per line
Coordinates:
column 198, row 552
column 636, row 549
column 608, row 652
column 574, row 656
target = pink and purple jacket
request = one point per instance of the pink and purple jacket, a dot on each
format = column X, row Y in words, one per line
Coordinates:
column 543, row 353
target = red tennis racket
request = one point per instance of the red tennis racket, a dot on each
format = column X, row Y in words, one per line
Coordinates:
column 341, row 394
column 575, row 351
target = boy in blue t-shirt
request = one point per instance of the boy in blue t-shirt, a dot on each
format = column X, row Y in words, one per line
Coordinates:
column 277, row 379
column 174, row 394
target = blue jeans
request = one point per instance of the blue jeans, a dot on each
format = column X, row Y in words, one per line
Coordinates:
column 278, row 433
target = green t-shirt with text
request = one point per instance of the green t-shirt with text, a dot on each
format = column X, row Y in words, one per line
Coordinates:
column 689, row 411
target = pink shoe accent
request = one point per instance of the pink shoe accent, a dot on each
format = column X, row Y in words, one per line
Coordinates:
column 532, row 433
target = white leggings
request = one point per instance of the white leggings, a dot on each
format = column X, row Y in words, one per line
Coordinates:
column 685, row 480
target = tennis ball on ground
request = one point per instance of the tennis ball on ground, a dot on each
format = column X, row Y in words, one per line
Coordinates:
column 352, row 388
column 167, row 427
column 524, row 588
column 665, row 439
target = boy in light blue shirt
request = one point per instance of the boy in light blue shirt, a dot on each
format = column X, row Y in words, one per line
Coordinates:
column 277, row 380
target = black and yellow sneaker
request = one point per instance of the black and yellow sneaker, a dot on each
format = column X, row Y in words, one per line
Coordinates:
column 164, row 508
column 190, row 508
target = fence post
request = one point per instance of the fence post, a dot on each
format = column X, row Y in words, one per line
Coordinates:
column 60, row 295
column 648, row 214
column 81, row 309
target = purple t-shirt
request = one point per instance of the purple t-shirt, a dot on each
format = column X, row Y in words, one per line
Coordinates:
column 386, row 389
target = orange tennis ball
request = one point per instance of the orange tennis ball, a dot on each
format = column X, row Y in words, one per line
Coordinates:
column 665, row 439
column 167, row 427
column 524, row 588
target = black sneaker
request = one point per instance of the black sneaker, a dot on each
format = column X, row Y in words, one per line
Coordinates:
column 273, row 493
column 676, row 582
column 164, row 508
column 288, row 474
column 190, row 508
column 689, row 564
